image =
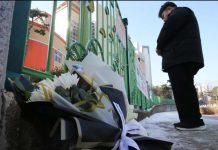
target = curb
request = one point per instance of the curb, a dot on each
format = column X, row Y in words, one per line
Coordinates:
column 142, row 114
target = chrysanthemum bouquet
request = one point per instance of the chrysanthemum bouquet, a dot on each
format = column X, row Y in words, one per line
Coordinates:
column 87, row 106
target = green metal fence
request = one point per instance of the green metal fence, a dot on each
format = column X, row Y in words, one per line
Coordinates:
column 108, row 40
column 136, row 96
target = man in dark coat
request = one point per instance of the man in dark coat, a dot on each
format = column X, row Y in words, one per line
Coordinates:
column 179, row 45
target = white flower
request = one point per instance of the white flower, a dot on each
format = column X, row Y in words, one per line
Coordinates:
column 48, row 83
column 46, row 86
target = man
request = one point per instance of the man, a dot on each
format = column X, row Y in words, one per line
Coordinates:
column 179, row 45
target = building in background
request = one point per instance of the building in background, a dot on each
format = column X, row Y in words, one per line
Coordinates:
column 143, row 69
column 61, row 23
column 146, row 54
column 37, row 45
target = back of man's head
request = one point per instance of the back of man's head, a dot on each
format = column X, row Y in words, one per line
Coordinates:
column 164, row 6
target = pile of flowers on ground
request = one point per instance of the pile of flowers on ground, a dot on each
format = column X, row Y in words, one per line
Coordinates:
column 89, row 105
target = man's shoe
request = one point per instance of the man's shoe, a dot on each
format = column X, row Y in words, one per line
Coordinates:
column 190, row 127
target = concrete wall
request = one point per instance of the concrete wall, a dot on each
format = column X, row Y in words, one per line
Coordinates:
column 6, row 15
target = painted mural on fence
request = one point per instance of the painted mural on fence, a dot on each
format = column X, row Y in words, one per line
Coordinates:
column 141, row 73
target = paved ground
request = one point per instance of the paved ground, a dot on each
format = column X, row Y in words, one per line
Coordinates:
column 160, row 126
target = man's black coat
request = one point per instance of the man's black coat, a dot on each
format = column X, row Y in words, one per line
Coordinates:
column 179, row 39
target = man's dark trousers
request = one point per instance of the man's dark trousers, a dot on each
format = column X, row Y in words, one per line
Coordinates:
column 182, row 81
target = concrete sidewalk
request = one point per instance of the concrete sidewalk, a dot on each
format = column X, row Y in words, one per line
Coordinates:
column 160, row 126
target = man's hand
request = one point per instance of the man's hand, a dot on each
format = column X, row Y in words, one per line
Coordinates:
column 158, row 51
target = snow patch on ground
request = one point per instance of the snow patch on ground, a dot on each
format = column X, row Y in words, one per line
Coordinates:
column 160, row 126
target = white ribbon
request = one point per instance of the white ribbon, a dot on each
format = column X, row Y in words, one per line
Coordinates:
column 131, row 128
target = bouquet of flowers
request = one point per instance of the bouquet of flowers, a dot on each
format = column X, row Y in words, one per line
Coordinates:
column 88, row 106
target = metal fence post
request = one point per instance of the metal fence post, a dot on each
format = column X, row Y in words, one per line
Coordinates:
column 84, row 21
column 17, row 39
column 51, row 38
column 125, row 22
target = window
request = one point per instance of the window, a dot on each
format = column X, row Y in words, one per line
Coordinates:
column 93, row 30
column 75, row 31
column 58, row 56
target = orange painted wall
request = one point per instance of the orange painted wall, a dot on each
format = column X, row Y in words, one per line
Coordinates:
column 36, row 56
